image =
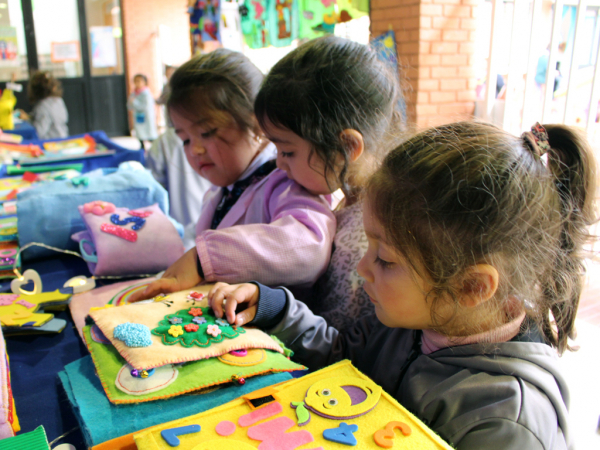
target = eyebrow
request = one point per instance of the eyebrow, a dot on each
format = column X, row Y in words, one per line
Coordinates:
column 276, row 140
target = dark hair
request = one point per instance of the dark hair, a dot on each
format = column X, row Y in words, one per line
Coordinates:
column 142, row 76
column 328, row 85
column 219, row 85
column 42, row 85
column 469, row 193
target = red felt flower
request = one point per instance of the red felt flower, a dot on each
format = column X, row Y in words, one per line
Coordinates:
column 195, row 312
column 191, row 327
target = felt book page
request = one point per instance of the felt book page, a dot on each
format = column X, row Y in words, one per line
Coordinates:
column 173, row 380
column 173, row 329
column 335, row 405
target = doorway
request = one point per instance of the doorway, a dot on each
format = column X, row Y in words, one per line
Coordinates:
column 80, row 43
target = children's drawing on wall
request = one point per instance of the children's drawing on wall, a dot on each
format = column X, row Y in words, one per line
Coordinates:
column 204, row 23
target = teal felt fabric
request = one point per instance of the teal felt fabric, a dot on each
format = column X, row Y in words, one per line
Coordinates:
column 101, row 421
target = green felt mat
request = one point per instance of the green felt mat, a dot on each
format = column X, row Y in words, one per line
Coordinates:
column 191, row 377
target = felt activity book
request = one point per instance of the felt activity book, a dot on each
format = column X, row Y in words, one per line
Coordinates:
column 173, row 329
column 121, row 386
column 335, row 405
column 125, row 241
column 112, row 426
column 23, row 313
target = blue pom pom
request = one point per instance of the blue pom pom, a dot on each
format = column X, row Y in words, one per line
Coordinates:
column 133, row 334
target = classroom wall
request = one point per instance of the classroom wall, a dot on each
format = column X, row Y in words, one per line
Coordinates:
column 143, row 54
column 435, row 40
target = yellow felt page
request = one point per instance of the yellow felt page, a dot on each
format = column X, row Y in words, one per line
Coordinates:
column 371, row 422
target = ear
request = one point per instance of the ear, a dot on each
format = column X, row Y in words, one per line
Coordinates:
column 479, row 284
column 354, row 142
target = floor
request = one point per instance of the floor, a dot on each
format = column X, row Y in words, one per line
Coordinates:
column 582, row 368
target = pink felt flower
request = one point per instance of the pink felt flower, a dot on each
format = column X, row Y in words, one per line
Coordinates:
column 195, row 312
column 191, row 327
column 99, row 208
column 213, row 330
column 175, row 330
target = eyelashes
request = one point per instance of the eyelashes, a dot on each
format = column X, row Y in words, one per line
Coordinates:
column 383, row 263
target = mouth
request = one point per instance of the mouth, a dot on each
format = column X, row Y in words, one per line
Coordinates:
column 203, row 166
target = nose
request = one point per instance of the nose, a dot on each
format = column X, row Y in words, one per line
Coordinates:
column 363, row 270
column 197, row 147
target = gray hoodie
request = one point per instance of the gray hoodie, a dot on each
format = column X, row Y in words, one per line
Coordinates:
column 507, row 395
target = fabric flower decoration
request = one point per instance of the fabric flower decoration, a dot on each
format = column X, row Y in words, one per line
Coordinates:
column 213, row 330
column 221, row 322
column 175, row 320
column 191, row 327
column 99, row 208
column 195, row 295
column 199, row 320
column 195, row 312
column 176, row 330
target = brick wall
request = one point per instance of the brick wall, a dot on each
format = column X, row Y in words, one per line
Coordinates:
column 435, row 48
column 141, row 19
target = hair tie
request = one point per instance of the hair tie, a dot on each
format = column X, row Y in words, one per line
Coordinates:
column 537, row 139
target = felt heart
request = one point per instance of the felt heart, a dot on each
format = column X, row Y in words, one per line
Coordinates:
column 29, row 275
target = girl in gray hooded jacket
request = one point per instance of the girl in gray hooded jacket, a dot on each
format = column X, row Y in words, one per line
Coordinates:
column 474, row 267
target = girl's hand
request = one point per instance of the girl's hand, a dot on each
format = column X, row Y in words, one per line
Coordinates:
column 226, row 298
column 183, row 274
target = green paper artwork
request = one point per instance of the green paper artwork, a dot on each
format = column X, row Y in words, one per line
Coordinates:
column 187, row 327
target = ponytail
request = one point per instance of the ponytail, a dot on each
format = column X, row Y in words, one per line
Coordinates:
column 570, row 159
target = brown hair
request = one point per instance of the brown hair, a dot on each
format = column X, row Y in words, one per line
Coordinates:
column 42, row 85
column 218, row 86
column 328, row 85
column 469, row 193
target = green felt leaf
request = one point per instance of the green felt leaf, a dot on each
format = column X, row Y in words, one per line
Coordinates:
column 199, row 337
column 302, row 413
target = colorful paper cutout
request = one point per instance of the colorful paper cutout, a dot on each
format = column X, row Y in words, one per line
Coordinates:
column 133, row 334
column 24, row 311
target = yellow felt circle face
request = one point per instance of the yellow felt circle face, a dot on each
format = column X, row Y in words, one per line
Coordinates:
column 253, row 356
column 343, row 397
column 223, row 444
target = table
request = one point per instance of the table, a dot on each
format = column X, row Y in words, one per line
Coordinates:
column 24, row 129
column 36, row 360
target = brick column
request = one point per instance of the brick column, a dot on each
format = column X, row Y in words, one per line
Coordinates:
column 435, row 40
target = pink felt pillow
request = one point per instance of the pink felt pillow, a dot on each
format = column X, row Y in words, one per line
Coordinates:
column 120, row 241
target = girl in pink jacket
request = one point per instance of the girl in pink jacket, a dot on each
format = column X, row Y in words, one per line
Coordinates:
column 255, row 223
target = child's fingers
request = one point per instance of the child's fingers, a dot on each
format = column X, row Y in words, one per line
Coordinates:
column 243, row 294
column 164, row 285
column 216, row 298
column 245, row 316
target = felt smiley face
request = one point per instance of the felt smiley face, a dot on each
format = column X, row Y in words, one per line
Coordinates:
column 338, row 398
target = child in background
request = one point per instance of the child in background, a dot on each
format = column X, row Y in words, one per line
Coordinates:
column 49, row 115
column 142, row 104
column 475, row 270
column 166, row 160
column 327, row 106
column 255, row 222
